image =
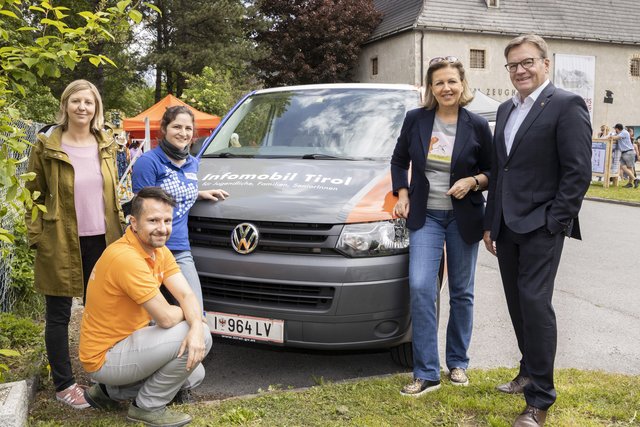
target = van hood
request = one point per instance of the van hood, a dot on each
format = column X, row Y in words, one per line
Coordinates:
column 296, row 190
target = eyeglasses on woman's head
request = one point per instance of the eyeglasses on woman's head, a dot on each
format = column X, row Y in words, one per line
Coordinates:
column 438, row 59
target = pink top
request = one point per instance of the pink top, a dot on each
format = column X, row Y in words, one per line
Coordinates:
column 88, row 189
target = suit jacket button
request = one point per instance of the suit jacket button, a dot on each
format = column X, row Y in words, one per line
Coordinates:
column 506, row 169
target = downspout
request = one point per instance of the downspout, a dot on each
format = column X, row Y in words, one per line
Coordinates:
column 421, row 58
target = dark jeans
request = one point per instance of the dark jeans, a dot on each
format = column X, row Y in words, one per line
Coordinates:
column 58, row 314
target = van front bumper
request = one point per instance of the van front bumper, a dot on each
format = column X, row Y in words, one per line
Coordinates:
column 326, row 302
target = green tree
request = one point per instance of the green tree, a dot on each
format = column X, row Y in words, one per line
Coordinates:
column 312, row 41
column 38, row 104
column 215, row 91
column 36, row 42
column 122, row 48
column 136, row 99
column 192, row 34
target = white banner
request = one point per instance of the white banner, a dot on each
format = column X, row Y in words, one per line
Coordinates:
column 576, row 74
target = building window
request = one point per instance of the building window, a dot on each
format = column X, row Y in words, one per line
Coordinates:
column 374, row 66
column 476, row 58
column 493, row 3
column 634, row 67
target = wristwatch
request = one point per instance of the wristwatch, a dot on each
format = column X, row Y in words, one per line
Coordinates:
column 477, row 187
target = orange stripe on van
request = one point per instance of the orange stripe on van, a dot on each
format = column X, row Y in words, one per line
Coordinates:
column 376, row 205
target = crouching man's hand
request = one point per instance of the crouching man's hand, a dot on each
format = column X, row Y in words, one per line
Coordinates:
column 194, row 344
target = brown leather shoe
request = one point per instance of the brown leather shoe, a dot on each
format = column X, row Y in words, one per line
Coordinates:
column 514, row 386
column 531, row 417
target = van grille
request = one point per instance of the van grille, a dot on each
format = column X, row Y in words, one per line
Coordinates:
column 276, row 295
column 280, row 237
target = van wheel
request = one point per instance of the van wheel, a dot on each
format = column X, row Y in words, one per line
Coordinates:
column 402, row 355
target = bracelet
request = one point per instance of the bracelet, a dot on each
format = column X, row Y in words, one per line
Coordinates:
column 477, row 187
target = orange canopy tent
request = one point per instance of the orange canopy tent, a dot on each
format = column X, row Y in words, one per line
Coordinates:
column 205, row 123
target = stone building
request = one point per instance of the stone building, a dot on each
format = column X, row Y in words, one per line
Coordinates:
column 603, row 37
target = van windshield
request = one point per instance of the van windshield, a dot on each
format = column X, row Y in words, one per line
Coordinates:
column 333, row 123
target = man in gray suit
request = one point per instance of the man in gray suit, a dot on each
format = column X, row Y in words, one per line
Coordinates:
column 541, row 170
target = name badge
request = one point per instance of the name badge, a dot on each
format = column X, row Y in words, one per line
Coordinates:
column 191, row 175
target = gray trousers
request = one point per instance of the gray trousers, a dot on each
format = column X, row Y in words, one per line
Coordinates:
column 145, row 366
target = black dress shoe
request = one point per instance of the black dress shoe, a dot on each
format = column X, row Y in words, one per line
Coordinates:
column 531, row 417
column 514, row 386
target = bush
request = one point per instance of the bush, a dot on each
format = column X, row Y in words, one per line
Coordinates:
column 19, row 333
column 26, row 356
column 26, row 301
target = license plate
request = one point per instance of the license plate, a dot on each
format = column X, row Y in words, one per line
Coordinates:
column 246, row 328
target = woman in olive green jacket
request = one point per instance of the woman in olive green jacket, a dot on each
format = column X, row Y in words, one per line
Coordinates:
column 75, row 168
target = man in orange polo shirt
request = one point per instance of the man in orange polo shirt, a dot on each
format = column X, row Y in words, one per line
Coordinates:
column 128, row 358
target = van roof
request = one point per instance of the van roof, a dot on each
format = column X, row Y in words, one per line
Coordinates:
column 341, row 86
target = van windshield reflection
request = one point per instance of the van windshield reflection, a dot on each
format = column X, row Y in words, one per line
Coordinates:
column 321, row 124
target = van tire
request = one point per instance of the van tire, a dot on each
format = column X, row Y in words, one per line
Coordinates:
column 402, row 354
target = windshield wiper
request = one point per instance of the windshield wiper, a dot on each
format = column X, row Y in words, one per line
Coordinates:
column 224, row 155
column 320, row 156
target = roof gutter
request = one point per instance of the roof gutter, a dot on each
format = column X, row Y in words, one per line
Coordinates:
column 517, row 33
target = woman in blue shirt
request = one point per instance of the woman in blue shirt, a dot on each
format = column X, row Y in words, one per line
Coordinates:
column 171, row 167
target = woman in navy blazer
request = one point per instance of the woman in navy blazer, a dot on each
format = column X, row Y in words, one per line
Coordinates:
column 449, row 151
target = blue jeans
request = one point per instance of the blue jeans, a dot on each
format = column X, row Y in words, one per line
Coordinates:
column 425, row 254
column 188, row 267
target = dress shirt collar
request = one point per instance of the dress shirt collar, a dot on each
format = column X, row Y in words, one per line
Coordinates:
column 533, row 96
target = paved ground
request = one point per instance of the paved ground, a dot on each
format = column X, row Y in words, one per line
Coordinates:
column 597, row 302
column 597, row 298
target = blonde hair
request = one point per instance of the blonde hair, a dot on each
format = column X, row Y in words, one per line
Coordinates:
column 62, row 118
column 604, row 131
column 430, row 101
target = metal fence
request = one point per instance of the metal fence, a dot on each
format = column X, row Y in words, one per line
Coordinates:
column 8, row 221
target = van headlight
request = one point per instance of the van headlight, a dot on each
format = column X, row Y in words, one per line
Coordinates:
column 374, row 238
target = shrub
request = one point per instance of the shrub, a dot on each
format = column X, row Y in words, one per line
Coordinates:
column 22, row 351
column 26, row 301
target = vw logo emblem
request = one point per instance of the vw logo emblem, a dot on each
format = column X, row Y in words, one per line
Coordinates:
column 244, row 238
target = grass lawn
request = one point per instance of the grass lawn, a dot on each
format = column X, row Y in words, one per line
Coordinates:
column 586, row 398
column 596, row 190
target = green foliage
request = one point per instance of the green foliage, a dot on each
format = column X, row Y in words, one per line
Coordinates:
column 38, row 104
column 215, row 91
column 136, row 99
column 19, row 333
column 192, row 35
column 587, row 398
column 21, row 347
column 28, row 302
column 3, row 366
column 597, row 191
column 239, row 416
column 123, row 48
column 315, row 41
